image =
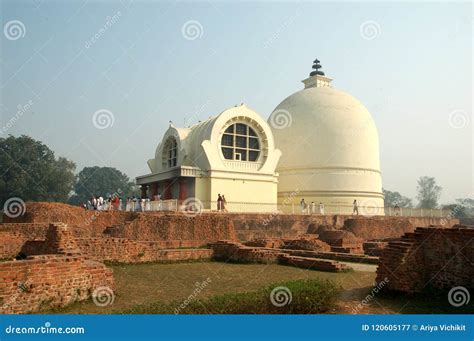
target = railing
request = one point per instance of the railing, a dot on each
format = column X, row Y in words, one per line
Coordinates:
column 292, row 208
column 146, row 205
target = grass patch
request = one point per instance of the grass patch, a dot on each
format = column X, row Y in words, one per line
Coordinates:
column 292, row 297
column 144, row 283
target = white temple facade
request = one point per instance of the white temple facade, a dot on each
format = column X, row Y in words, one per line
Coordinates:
column 231, row 154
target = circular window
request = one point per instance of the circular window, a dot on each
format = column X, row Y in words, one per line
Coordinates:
column 170, row 153
column 240, row 142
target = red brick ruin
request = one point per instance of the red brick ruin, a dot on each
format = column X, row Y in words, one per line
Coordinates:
column 52, row 256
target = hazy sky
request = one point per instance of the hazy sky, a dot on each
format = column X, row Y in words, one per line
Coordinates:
column 148, row 62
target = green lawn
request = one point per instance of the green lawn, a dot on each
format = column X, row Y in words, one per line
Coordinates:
column 144, row 284
column 140, row 284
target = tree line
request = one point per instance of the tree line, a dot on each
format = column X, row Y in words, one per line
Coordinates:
column 30, row 171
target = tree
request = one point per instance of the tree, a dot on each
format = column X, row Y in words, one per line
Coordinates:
column 104, row 181
column 394, row 198
column 462, row 208
column 428, row 192
column 30, row 171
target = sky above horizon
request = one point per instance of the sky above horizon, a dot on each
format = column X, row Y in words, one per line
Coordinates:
column 141, row 64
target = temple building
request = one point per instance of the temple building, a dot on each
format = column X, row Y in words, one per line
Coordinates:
column 232, row 153
column 320, row 144
column 330, row 148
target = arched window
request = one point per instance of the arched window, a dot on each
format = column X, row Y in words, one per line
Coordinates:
column 170, row 153
column 240, row 142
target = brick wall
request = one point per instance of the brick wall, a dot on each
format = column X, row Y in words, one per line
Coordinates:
column 131, row 251
column 258, row 226
column 431, row 257
column 56, row 279
column 377, row 228
column 10, row 245
column 152, row 226
column 229, row 251
column 49, row 281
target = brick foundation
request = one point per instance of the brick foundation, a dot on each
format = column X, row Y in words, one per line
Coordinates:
column 229, row 251
column 432, row 257
column 130, row 251
column 51, row 280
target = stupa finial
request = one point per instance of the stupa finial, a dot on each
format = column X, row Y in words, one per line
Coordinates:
column 316, row 67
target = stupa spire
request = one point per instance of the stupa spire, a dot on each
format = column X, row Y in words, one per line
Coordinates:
column 316, row 66
column 316, row 78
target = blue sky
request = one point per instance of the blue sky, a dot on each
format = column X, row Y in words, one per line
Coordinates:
column 414, row 76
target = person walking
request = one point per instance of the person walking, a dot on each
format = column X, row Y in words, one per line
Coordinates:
column 224, row 203
column 219, row 202
column 303, row 206
column 313, row 207
column 321, row 208
column 355, row 208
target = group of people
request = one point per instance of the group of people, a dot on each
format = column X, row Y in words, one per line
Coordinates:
column 115, row 203
column 135, row 204
column 312, row 207
column 99, row 203
column 221, row 203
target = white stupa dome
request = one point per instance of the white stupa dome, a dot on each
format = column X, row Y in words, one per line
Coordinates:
column 330, row 149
